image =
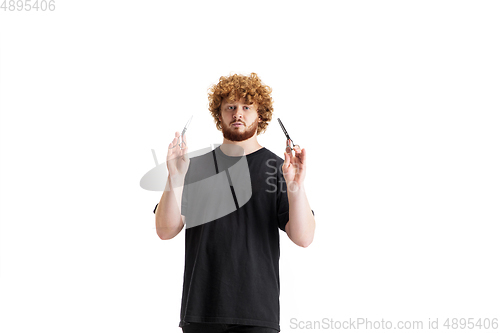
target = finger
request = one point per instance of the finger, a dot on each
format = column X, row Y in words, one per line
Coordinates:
column 184, row 144
column 287, row 149
column 293, row 150
column 286, row 163
column 175, row 140
column 173, row 145
column 184, row 150
column 301, row 154
column 169, row 151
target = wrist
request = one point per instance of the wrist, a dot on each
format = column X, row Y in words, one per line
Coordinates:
column 294, row 187
column 176, row 180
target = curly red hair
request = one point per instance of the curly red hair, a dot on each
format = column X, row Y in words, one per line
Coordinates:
column 239, row 86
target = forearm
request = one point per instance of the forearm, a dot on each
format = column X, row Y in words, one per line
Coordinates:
column 301, row 223
column 168, row 213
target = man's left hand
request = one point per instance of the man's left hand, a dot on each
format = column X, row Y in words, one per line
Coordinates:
column 294, row 167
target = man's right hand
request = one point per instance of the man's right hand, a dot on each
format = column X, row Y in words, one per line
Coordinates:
column 177, row 158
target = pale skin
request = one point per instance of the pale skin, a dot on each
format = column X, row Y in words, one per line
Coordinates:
column 232, row 113
column 301, row 224
column 238, row 116
column 168, row 218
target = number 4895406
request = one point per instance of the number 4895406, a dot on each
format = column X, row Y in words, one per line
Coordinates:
column 28, row 5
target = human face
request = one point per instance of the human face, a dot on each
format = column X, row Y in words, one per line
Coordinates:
column 239, row 120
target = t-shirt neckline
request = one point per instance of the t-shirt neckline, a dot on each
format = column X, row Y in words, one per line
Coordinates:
column 258, row 151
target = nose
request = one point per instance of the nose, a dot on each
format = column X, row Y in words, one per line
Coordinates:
column 238, row 112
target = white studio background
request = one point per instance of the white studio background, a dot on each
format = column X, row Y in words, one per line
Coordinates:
column 396, row 102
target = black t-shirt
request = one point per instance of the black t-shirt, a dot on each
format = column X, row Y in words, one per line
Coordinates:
column 232, row 243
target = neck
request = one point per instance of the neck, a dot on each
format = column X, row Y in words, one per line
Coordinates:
column 237, row 148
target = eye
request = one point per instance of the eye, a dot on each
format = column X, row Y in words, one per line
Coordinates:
column 246, row 108
column 230, row 107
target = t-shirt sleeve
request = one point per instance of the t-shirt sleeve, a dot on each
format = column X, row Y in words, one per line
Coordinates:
column 282, row 199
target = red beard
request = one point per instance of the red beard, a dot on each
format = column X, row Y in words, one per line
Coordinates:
column 234, row 134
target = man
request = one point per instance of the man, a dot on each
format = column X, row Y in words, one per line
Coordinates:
column 231, row 278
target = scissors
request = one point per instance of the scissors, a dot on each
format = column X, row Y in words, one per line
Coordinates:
column 288, row 137
column 182, row 144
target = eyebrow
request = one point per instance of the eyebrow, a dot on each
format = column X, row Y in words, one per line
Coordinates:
column 242, row 103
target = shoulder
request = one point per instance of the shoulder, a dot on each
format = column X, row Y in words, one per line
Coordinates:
column 201, row 155
column 269, row 157
column 266, row 161
column 200, row 161
column 264, row 153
